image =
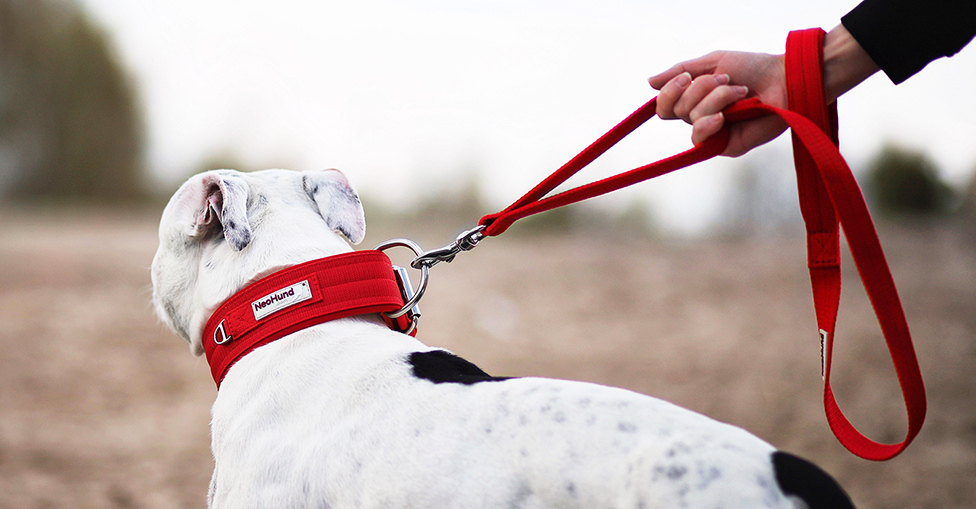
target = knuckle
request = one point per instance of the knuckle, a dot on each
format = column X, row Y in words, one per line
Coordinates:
column 682, row 111
column 700, row 111
column 665, row 104
column 663, row 109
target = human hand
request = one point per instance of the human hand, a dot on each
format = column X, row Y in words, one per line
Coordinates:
column 697, row 91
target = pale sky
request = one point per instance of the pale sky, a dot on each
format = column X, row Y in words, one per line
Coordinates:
column 407, row 96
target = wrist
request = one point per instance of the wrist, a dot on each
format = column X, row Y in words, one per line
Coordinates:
column 846, row 64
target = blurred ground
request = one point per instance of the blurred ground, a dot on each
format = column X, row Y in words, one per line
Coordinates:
column 101, row 407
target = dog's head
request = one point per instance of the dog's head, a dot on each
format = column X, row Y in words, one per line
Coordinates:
column 224, row 229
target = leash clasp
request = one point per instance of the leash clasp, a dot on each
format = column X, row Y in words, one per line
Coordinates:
column 466, row 241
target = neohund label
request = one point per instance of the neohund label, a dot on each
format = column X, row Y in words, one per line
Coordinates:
column 281, row 299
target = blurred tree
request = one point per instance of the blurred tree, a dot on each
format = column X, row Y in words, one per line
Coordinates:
column 905, row 181
column 967, row 207
column 69, row 121
column 762, row 199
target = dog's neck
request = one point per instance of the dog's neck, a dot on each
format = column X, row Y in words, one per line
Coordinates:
column 349, row 284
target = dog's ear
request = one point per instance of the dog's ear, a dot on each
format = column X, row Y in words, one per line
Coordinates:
column 337, row 202
column 216, row 199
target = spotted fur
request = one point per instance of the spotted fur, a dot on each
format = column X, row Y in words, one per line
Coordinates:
column 348, row 414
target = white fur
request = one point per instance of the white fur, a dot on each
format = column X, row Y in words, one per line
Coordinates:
column 334, row 417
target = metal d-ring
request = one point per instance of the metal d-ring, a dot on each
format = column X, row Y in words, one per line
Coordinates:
column 411, row 300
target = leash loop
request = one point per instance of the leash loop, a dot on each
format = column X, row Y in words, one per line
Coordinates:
column 830, row 199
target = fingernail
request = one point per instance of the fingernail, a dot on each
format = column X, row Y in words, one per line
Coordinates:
column 716, row 118
column 683, row 80
column 740, row 90
column 722, row 79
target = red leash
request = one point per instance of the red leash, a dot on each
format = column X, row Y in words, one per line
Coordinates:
column 829, row 197
column 365, row 281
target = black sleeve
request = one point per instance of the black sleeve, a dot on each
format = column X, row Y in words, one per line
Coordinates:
column 903, row 36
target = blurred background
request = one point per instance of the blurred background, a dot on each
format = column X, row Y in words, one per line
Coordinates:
column 691, row 287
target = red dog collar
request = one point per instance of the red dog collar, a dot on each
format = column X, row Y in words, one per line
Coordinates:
column 298, row 297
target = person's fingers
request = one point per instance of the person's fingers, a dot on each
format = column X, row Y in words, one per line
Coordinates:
column 705, row 127
column 670, row 93
column 696, row 67
column 659, row 81
column 717, row 100
column 750, row 134
column 697, row 91
column 700, row 102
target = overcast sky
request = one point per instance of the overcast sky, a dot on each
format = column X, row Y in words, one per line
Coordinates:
column 409, row 96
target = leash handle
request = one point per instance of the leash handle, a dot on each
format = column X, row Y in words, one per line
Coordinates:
column 829, row 198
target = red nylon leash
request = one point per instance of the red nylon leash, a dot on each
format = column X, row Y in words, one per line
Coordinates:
column 364, row 281
column 829, row 197
column 534, row 203
column 826, row 200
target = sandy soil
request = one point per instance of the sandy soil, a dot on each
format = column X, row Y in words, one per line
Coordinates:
column 101, row 407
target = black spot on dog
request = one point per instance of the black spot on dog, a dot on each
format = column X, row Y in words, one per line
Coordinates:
column 440, row 367
column 520, row 496
column 571, row 489
column 799, row 477
column 672, row 472
column 311, row 187
column 709, row 476
column 627, row 427
column 239, row 236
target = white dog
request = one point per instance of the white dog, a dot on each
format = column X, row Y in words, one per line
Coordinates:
column 350, row 414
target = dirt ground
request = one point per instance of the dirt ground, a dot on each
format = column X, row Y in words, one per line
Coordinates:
column 101, row 407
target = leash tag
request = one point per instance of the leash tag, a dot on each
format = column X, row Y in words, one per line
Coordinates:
column 823, row 354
